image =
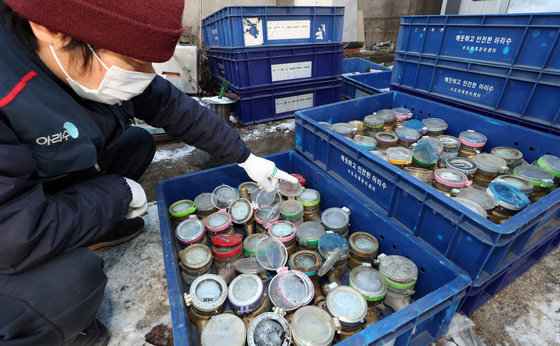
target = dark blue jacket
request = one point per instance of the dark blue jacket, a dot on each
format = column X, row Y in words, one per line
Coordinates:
column 47, row 131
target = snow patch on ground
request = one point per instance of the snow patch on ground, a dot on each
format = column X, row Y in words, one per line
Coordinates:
column 173, row 154
column 541, row 326
column 260, row 131
column 136, row 297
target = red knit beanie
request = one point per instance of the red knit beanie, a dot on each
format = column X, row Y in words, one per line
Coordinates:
column 142, row 29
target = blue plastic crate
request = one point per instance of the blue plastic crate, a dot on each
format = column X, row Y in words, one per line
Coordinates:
column 477, row 245
column 531, row 96
column 440, row 286
column 478, row 295
column 264, row 67
column 359, row 65
column 519, row 40
column 249, row 26
column 365, row 84
column 279, row 102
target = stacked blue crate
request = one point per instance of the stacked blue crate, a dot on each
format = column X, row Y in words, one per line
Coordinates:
column 362, row 78
column 278, row 59
column 495, row 74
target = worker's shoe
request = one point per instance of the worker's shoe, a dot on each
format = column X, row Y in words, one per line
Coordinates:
column 123, row 231
column 96, row 334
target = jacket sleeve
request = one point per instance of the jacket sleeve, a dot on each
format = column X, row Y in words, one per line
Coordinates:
column 164, row 106
column 36, row 226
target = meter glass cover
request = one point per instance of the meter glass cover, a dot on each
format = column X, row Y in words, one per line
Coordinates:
column 271, row 253
column 223, row 196
column 535, row 174
column 473, row 137
column 472, row 206
column 368, row 281
column 248, row 266
column 435, row 124
column 224, row 329
column 288, row 189
column 479, row 197
column 288, row 291
column 347, row 304
column 388, row 115
column 310, row 230
column 203, row 202
column 312, row 326
column 190, row 230
column 407, row 134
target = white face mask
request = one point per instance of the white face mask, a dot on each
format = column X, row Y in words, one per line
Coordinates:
column 117, row 85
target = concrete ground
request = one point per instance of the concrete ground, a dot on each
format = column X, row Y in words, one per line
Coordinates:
column 525, row 313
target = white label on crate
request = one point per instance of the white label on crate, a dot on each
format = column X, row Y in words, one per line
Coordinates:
column 359, row 94
column 294, row 70
column 288, row 29
column 253, row 31
column 293, row 103
column 361, row 175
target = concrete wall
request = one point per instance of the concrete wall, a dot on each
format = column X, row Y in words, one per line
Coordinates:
column 382, row 17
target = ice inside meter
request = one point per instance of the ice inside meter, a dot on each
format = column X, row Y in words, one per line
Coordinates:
column 217, row 220
column 271, row 254
column 246, row 292
column 241, row 210
column 309, row 232
column 309, row 197
column 207, row 293
column 282, row 230
column 223, row 196
column 335, row 218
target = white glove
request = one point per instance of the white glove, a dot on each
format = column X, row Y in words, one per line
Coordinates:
column 139, row 204
column 265, row 173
